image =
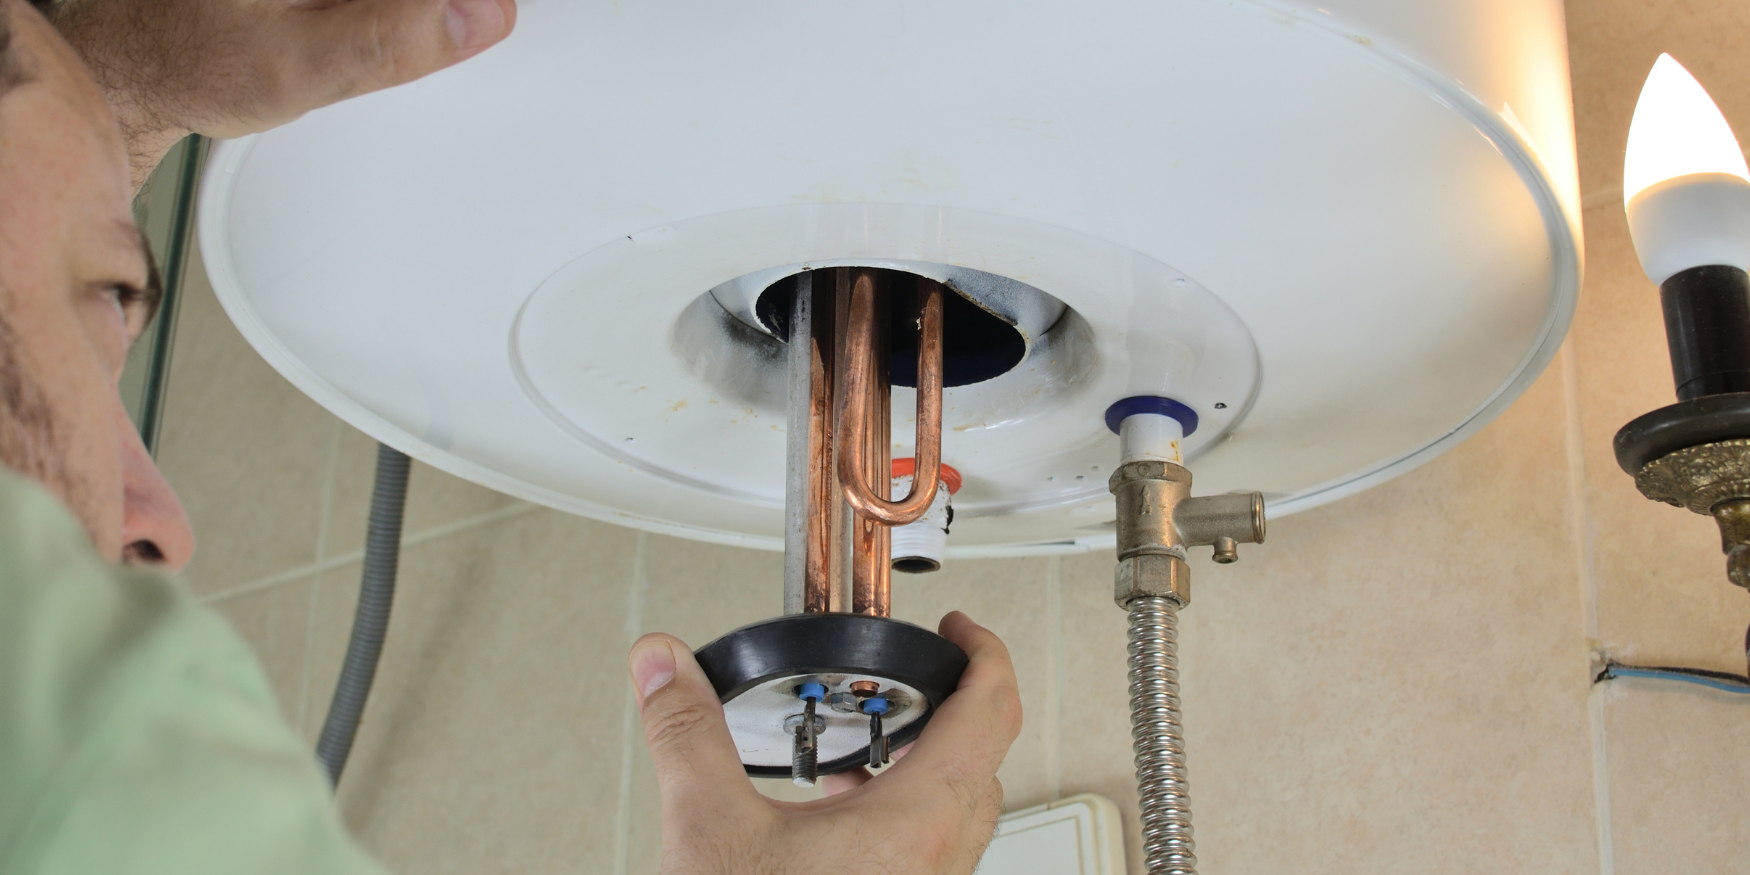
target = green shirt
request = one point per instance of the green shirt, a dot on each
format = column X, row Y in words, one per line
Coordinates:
column 137, row 732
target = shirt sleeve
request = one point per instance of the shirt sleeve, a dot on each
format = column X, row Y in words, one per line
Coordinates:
column 138, row 734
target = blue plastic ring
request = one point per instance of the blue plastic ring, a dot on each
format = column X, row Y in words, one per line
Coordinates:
column 876, row 705
column 812, row 690
column 1151, row 404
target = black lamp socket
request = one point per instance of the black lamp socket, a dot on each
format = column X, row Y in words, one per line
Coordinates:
column 1707, row 329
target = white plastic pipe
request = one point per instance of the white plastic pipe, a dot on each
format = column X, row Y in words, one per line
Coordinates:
column 924, row 541
column 1150, row 437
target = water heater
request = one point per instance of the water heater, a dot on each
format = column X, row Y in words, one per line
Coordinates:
column 749, row 273
column 1345, row 234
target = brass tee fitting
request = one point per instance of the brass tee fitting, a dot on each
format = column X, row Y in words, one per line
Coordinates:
column 1158, row 518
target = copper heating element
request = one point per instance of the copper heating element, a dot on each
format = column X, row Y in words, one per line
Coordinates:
column 840, row 462
column 867, row 378
column 864, row 407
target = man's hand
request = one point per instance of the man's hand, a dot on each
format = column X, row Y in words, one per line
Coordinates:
column 226, row 68
column 931, row 813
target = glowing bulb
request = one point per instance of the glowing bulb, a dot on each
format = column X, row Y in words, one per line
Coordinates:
column 1677, row 130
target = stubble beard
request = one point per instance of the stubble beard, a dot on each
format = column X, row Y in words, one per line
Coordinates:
column 30, row 441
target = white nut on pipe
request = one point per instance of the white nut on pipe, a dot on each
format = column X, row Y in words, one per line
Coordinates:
column 1150, row 437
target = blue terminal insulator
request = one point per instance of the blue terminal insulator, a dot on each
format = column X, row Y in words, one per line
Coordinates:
column 812, row 691
column 875, row 705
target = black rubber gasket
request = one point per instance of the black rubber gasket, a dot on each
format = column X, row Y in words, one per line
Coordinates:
column 835, row 644
column 1705, row 420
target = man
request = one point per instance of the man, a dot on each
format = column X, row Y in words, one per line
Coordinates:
column 136, row 732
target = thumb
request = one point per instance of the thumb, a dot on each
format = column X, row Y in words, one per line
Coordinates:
column 695, row 758
column 366, row 45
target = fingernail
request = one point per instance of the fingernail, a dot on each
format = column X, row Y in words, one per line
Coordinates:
column 652, row 665
column 475, row 24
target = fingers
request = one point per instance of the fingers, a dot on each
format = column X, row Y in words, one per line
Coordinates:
column 365, row 45
column 844, row 782
column 988, row 662
column 695, row 758
column 851, row 780
column 970, row 734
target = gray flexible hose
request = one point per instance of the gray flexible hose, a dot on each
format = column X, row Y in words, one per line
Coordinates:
column 376, row 593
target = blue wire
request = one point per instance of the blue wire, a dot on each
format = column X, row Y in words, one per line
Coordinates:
column 1726, row 683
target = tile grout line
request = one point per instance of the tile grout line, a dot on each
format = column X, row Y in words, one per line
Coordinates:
column 343, row 559
column 1601, row 197
column 1583, row 567
column 1601, row 780
column 1054, row 677
column 324, row 514
column 325, row 511
column 628, row 713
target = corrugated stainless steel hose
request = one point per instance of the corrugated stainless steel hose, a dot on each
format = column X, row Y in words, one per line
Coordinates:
column 1158, row 737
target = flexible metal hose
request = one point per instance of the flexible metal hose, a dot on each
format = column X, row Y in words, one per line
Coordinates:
column 1157, row 735
column 376, row 594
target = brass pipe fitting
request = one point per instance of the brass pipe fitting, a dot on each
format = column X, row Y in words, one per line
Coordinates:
column 1211, row 519
column 1158, row 518
column 1147, row 492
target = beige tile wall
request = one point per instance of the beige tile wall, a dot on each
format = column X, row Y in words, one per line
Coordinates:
column 1399, row 682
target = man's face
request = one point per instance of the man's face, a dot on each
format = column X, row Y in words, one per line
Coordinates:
column 73, row 295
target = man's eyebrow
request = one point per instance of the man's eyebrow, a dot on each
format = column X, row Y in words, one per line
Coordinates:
column 153, row 293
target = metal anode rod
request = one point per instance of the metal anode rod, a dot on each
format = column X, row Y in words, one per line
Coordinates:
column 799, row 442
column 811, row 488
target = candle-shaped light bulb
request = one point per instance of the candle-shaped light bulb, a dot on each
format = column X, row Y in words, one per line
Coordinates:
column 1684, row 181
column 1677, row 130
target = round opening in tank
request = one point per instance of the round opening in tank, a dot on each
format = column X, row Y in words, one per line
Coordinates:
column 977, row 345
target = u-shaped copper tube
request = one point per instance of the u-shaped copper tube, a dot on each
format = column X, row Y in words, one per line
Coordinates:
column 853, row 405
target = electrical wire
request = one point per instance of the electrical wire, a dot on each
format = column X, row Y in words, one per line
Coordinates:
column 1718, row 680
column 1723, row 681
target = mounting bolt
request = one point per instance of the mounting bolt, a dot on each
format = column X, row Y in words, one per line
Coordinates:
column 875, row 706
column 807, row 726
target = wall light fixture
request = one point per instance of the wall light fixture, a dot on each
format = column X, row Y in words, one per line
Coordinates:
column 1687, row 192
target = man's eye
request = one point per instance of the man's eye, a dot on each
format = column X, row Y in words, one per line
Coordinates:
column 123, row 296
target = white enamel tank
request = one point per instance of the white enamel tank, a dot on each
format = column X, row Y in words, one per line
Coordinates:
column 1347, row 235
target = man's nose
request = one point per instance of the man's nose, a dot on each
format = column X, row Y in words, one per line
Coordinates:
column 155, row 530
